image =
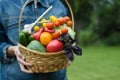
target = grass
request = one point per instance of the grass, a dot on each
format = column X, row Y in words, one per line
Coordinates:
column 96, row 63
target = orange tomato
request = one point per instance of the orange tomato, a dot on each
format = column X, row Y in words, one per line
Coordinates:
column 45, row 38
column 36, row 28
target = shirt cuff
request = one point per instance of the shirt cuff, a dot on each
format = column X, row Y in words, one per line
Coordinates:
column 5, row 57
column 5, row 52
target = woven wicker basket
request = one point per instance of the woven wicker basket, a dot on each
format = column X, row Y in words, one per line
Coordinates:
column 45, row 62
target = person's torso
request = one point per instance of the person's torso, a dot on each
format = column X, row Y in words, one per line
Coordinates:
column 10, row 11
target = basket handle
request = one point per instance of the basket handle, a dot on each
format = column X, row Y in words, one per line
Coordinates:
column 20, row 17
column 71, row 13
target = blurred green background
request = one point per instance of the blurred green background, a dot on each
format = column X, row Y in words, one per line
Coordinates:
column 97, row 24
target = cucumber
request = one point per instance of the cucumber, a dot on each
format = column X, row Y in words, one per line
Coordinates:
column 26, row 33
column 36, row 45
column 30, row 38
column 22, row 39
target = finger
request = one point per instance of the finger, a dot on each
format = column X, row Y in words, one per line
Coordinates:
column 23, row 62
column 24, row 69
column 18, row 53
column 21, row 58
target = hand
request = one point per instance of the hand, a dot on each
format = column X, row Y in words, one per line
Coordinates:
column 21, row 60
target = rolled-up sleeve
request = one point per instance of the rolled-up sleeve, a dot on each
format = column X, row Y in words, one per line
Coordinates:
column 3, row 43
column 3, row 47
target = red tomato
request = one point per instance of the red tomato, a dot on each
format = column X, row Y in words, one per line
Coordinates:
column 57, row 32
column 57, row 23
column 54, row 35
column 64, row 30
column 67, row 18
column 61, row 20
column 69, row 23
column 50, row 25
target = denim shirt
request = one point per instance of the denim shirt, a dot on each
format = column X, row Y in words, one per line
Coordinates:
column 9, row 16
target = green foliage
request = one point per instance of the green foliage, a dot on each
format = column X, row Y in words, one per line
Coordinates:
column 113, row 39
column 86, row 37
column 82, row 11
column 101, row 17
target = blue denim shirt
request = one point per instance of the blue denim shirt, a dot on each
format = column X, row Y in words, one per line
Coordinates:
column 9, row 16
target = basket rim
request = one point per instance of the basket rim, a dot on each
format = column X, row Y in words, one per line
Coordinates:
column 42, row 53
